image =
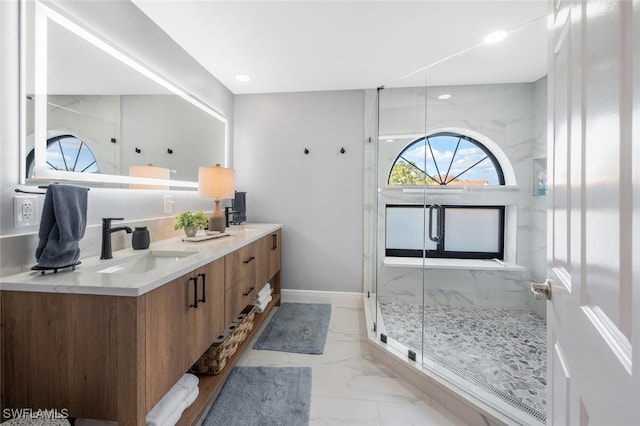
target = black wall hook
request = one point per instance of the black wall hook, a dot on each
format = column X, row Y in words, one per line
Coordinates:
column 169, row 151
column 342, row 151
column 138, row 150
column 306, row 151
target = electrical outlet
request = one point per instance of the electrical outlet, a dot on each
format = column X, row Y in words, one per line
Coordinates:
column 26, row 212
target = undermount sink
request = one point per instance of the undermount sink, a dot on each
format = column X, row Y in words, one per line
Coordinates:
column 147, row 262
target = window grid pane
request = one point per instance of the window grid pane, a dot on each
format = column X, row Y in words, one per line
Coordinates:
column 470, row 232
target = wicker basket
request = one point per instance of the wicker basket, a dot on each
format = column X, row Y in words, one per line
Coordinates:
column 215, row 358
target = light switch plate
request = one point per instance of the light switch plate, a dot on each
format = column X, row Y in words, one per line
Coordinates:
column 168, row 204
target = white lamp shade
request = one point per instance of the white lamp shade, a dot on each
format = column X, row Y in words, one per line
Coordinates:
column 216, row 182
column 149, row 171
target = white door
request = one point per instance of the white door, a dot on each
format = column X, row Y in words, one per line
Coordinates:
column 594, row 213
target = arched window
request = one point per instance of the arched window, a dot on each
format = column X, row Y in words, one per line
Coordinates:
column 464, row 229
column 446, row 158
column 67, row 153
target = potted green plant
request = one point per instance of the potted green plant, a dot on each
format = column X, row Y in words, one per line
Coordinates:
column 191, row 222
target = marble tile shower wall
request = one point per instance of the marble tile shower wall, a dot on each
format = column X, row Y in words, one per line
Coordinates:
column 18, row 251
column 509, row 116
column 455, row 287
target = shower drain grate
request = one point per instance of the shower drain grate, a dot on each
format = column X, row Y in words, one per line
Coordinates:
column 504, row 396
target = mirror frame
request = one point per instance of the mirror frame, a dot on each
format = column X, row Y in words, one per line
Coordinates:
column 42, row 16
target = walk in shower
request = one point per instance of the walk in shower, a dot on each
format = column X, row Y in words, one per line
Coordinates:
column 456, row 211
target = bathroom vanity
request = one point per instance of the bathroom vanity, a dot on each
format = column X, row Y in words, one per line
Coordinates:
column 108, row 340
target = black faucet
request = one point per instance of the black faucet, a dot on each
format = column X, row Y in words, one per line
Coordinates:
column 228, row 212
column 107, row 230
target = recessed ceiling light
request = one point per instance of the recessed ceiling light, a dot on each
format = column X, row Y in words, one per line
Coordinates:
column 495, row 37
column 444, row 96
column 243, row 77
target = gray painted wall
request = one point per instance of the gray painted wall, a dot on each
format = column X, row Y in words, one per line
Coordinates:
column 317, row 197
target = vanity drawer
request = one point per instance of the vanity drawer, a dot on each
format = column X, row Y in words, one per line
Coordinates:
column 241, row 264
column 238, row 297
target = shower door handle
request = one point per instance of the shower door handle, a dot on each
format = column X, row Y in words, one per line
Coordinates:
column 439, row 225
column 541, row 290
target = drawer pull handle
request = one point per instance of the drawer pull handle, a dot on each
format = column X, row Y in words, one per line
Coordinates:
column 249, row 291
column 274, row 242
column 249, row 260
column 195, row 292
column 204, row 297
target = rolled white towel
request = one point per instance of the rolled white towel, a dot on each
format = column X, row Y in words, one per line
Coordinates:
column 167, row 406
column 262, row 295
column 265, row 290
column 175, row 416
column 192, row 396
column 260, row 300
column 189, row 382
column 260, row 308
column 174, row 401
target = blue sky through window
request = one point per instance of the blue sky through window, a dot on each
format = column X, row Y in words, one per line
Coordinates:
column 451, row 159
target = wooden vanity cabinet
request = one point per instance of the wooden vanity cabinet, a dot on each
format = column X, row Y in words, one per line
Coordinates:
column 248, row 270
column 114, row 357
column 182, row 318
column 271, row 252
column 241, row 278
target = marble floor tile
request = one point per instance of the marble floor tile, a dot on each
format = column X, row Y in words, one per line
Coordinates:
column 415, row 414
column 349, row 387
column 339, row 411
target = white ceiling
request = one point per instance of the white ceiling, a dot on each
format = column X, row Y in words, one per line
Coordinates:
column 297, row 45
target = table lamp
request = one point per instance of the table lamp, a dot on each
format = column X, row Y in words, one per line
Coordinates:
column 218, row 183
column 149, row 171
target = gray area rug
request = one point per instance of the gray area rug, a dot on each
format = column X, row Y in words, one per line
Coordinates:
column 297, row 327
column 263, row 396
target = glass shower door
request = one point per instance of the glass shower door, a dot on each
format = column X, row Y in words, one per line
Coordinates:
column 403, row 220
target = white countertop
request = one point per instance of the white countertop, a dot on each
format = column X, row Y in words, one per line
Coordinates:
column 86, row 279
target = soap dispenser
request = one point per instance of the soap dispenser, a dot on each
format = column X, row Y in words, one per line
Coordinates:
column 140, row 239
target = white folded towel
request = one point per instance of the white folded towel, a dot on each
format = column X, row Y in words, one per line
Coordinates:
column 189, row 381
column 192, row 397
column 173, row 402
column 256, row 301
column 167, row 406
column 175, row 416
column 262, row 295
column 260, row 308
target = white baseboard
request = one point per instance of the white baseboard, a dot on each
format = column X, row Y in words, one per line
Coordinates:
column 338, row 298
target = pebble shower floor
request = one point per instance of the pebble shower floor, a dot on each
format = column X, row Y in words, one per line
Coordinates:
column 502, row 350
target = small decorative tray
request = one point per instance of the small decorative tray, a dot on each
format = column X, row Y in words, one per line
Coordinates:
column 206, row 236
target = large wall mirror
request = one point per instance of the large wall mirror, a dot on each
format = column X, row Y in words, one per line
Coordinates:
column 93, row 114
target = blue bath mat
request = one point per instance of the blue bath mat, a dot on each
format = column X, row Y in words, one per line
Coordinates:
column 297, row 327
column 263, row 396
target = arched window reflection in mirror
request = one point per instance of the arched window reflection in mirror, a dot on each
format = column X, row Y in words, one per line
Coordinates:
column 66, row 153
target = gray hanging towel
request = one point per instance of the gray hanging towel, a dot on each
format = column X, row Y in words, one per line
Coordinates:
column 62, row 226
column 240, row 207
